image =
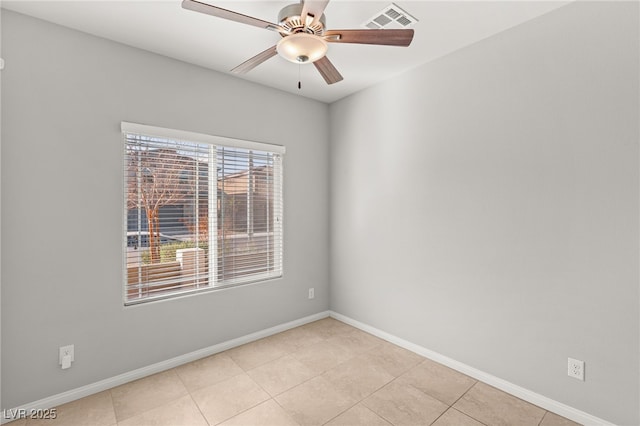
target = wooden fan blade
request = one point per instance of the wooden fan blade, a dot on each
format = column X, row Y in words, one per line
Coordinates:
column 313, row 7
column 382, row 37
column 327, row 70
column 219, row 12
column 250, row 64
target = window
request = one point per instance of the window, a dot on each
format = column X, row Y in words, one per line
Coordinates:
column 201, row 212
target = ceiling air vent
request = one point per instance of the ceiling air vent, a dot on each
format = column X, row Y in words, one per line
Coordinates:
column 392, row 16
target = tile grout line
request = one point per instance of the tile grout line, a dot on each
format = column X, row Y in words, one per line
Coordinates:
column 441, row 414
column 462, row 396
column 284, row 409
column 380, row 415
column 451, row 406
column 240, row 412
column 388, row 383
column 253, row 406
column 189, row 391
column 543, row 416
column 324, row 340
column 341, row 413
column 464, row 393
column 322, row 373
column 436, row 398
column 113, row 406
column 467, row 415
column 272, row 397
column 361, row 399
column 152, row 408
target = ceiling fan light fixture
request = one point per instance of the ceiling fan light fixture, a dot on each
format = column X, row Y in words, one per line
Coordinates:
column 302, row 48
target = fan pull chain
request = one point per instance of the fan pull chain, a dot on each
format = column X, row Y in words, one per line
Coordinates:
column 299, row 82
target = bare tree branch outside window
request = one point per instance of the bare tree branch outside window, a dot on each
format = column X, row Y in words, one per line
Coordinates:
column 157, row 178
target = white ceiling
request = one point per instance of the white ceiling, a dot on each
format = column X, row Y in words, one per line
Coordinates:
column 164, row 27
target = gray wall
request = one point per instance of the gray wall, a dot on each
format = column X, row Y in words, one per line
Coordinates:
column 64, row 94
column 485, row 206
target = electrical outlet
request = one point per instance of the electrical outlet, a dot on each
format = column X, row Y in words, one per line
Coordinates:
column 576, row 369
column 64, row 351
column 312, row 293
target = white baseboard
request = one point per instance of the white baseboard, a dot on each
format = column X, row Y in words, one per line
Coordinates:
column 522, row 393
column 102, row 385
column 518, row 391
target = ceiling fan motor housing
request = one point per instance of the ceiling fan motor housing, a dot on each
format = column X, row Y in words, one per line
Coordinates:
column 290, row 18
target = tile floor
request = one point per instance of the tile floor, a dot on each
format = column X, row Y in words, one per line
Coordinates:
column 322, row 373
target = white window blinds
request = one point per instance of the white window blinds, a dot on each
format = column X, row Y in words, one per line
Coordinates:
column 201, row 212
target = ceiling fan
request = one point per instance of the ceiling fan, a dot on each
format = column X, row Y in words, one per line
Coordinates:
column 304, row 37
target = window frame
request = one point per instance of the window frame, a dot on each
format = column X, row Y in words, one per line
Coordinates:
column 214, row 143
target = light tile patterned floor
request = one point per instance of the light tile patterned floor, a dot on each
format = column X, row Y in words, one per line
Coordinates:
column 325, row 372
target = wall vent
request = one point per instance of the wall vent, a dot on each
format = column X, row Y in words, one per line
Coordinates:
column 392, row 16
